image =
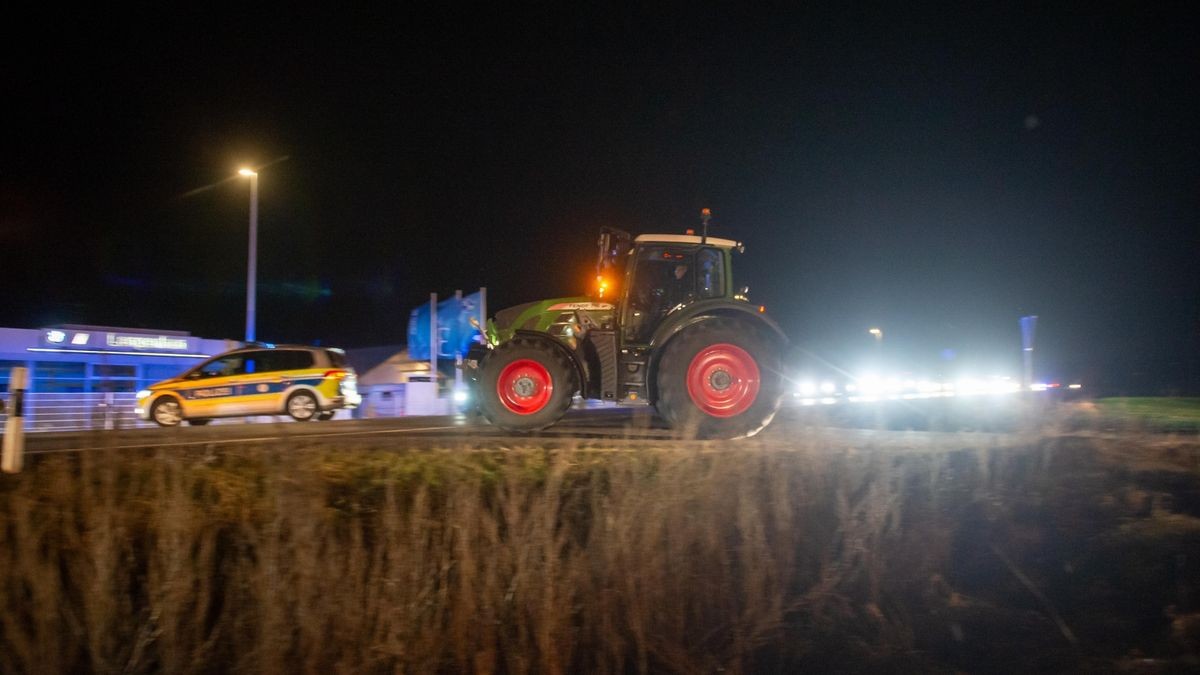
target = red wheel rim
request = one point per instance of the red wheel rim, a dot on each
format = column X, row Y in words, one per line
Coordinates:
column 723, row 380
column 524, row 386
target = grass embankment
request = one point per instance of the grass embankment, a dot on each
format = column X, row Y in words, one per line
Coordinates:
column 1158, row 412
column 762, row 556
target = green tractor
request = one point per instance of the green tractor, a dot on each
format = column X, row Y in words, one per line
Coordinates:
column 665, row 327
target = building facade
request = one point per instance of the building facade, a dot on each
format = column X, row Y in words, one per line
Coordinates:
column 89, row 359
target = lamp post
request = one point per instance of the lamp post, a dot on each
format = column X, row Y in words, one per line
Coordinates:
column 252, row 266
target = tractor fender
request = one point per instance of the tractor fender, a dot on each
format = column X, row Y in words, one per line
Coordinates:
column 709, row 309
column 705, row 310
column 580, row 373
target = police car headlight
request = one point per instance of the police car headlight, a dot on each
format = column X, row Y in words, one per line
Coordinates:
column 145, row 393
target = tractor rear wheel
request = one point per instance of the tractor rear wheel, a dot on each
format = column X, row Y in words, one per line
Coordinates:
column 719, row 379
column 525, row 384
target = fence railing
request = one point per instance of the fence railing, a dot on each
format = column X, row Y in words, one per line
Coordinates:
column 87, row 411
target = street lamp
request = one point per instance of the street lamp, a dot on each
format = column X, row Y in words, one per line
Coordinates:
column 878, row 345
column 252, row 267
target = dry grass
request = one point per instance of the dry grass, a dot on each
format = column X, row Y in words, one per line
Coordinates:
column 754, row 557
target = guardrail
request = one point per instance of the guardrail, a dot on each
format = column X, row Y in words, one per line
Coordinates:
column 85, row 411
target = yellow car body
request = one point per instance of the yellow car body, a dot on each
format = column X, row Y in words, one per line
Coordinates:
column 304, row 382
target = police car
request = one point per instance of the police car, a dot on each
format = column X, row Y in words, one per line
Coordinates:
column 303, row 382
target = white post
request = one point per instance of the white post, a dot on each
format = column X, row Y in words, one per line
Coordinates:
column 109, row 411
column 14, row 427
column 1028, row 327
column 483, row 310
column 457, row 356
column 433, row 341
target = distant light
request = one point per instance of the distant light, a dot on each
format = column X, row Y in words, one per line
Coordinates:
column 1074, row 386
column 1039, row 386
column 247, row 172
column 828, row 400
column 828, row 387
column 808, row 401
column 807, row 389
column 876, row 332
column 460, row 396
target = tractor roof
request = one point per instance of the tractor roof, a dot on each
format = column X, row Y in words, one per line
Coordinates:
column 685, row 239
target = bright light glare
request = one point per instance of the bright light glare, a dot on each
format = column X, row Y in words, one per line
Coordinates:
column 246, row 172
column 1074, row 386
column 870, row 385
column 460, row 396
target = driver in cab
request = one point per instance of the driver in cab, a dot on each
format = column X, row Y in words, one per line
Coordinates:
column 675, row 289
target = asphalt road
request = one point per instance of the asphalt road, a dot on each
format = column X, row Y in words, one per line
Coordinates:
column 900, row 426
column 635, row 424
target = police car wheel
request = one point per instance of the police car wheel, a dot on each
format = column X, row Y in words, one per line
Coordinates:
column 302, row 406
column 166, row 412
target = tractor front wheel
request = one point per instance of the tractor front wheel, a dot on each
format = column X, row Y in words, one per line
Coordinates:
column 525, row 384
column 719, row 379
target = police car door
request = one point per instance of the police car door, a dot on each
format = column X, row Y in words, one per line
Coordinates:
column 213, row 393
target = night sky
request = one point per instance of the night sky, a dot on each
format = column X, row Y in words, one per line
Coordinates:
column 937, row 174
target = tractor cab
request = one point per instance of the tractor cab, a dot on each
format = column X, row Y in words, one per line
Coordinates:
column 655, row 275
column 667, row 274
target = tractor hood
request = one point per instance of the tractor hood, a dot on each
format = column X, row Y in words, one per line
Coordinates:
column 529, row 316
column 540, row 315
